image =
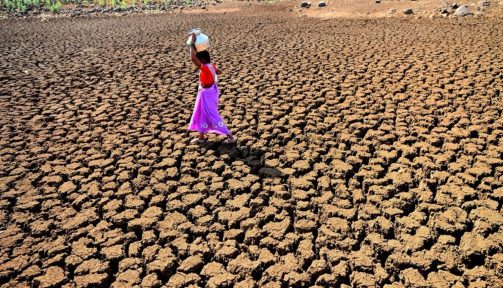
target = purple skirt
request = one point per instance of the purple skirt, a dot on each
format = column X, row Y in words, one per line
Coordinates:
column 205, row 118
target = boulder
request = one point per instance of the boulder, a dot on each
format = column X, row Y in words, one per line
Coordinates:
column 462, row 11
column 322, row 4
column 485, row 3
column 305, row 4
column 408, row 11
column 448, row 9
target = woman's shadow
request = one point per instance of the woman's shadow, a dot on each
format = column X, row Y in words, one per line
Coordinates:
column 252, row 157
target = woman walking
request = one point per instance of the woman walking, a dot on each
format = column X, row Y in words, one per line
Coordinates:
column 205, row 118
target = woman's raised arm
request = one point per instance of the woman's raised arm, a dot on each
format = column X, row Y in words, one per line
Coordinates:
column 192, row 48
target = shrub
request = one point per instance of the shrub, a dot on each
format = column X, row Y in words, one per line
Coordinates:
column 56, row 7
column 16, row 5
column 9, row 5
column 21, row 7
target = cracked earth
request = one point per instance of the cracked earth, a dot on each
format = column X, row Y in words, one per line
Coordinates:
column 369, row 153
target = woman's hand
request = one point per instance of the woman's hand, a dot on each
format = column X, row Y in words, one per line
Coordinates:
column 193, row 38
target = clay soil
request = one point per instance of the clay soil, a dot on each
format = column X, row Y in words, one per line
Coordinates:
column 369, row 153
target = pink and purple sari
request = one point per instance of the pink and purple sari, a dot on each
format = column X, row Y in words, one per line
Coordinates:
column 205, row 118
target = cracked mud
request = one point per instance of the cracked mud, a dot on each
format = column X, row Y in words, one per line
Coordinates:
column 369, row 154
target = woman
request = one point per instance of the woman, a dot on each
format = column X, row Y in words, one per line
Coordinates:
column 205, row 118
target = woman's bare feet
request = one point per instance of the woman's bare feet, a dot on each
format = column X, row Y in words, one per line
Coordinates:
column 197, row 141
column 200, row 139
column 230, row 140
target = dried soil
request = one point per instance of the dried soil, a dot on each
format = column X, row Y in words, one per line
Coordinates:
column 369, row 153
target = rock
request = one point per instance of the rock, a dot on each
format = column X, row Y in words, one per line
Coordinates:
column 392, row 11
column 408, row 11
column 485, row 3
column 463, row 11
column 378, row 2
column 322, row 4
column 305, row 4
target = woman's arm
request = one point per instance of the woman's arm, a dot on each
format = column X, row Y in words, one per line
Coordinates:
column 193, row 52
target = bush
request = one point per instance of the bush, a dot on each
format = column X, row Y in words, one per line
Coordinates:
column 56, row 7
column 9, row 5
column 21, row 7
column 16, row 5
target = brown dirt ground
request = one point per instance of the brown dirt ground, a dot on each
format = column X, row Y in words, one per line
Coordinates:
column 370, row 9
column 369, row 154
column 357, row 8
